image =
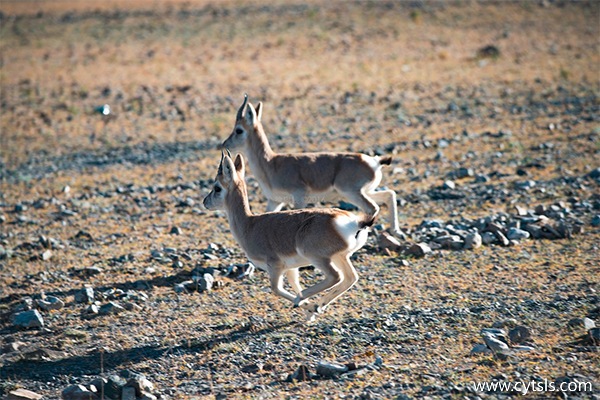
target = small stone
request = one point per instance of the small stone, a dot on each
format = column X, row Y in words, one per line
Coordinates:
column 386, row 241
column 525, row 185
column 419, row 250
column 175, row 231
column 147, row 396
column 594, row 335
column 97, row 385
column 92, row 309
column 495, row 344
column 110, row 308
column 85, row 295
column 488, row 238
column 521, row 211
column 46, row 255
column 140, row 384
column 519, row 334
column 300, row 375
column 128, row 393
column 12, row 347
column 588, row 323
column 206, row 282
column 50, row 303
column 184, row 287
column 540, row 209
column 92, row 271
column 449, row 185
column 343, row 205
column 23, row 394
column 473, row 240
column 330, row 370
column 535, row 232
column 517, row 234
column 596, row 220
column 480, row 349
column 113, row 386
column 78, row 392
column 28, row 319
column 595, row 173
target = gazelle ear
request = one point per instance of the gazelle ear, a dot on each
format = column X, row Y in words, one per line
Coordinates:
column 242, row 109
column 227, row 169
column 251, row 117
column 259, row 109
column 240, row 167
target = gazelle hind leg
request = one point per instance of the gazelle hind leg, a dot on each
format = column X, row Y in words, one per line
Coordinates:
column 293, row 277
column 343, row 263
column 332, row 278
column 362, row 201
column 388, row 197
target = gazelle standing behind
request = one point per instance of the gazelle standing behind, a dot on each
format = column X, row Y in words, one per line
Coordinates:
column 282, row 242
column 292, row 178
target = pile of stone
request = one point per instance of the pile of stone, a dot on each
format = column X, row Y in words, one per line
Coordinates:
column 126, row 385
column 504, row 229
column 502, row 345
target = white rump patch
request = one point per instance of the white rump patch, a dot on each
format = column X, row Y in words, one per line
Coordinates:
column 347, row 226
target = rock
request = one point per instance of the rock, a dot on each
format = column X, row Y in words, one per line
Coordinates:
column 128, row 393
column 92, row 271
column 386, row 241
column 300, row 375
column 85, row 295
column 113, row 386
column 92, row 309
column 488, row 238
column 489, row 51
column 510, row 322
column 140, row 384
column 50, row 303
column 185, row 287
column 175, row 231
column 519, row 334
column 46, row 255
column 12, row 347
column 330, row 370
column 463, row 173
column 343, row 205
column 110, row 308
column 588, row 324
column 473, row 240
column 23, row 394
column 535, row 231
column 78, row 392
column 449, row 185
column 594, row 174
column 98, row 385
column 596, row 220
column 525, row 185
column 517, row 234
column 594, row 335
column 496, row 345
column 480, row 349
column 418, row 250
column 28, row 319
column 206, row 282
column 521, row 211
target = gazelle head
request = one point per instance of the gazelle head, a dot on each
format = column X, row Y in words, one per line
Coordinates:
column 229, row 176
column 246, row 122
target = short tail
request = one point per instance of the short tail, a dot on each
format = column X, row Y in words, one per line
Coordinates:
column 365, row 221
column 385, row 160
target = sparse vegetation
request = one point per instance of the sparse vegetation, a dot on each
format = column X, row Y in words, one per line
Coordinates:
column 94, row 199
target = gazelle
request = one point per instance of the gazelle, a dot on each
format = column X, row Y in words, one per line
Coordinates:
column 281, row 242
column 294, row 178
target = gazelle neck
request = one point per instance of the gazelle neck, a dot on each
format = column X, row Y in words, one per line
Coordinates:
column 259, row 153
column 238, row 210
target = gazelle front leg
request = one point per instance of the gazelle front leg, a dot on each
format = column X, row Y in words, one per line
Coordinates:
column 276, row 276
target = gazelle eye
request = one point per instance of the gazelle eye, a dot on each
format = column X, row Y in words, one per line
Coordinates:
column 217, row 189
column 239, row 131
